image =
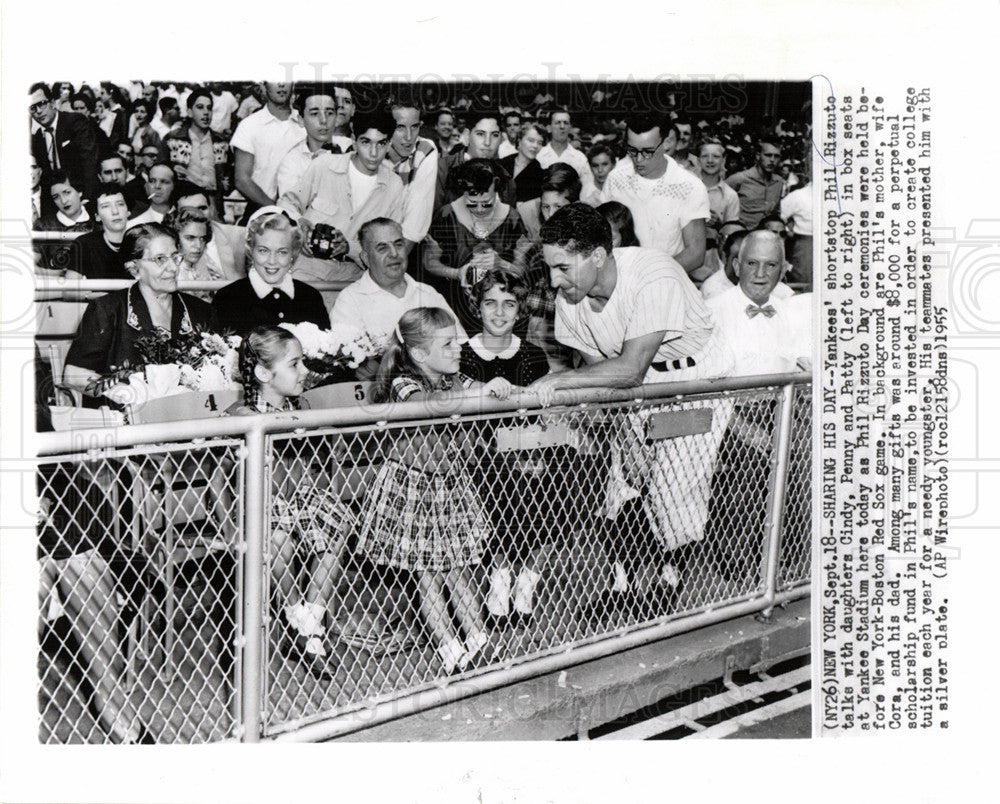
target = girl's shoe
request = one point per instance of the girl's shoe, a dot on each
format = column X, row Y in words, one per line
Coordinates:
column 473, row 644
column 450, row 654
column 524, row 590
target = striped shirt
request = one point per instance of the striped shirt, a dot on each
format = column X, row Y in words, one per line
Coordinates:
column 652, row 294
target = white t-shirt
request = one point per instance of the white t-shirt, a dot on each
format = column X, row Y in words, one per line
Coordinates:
column 662, row 207
column 362, row 185
column 268, row 139
column 222, row 107
column 797, row 207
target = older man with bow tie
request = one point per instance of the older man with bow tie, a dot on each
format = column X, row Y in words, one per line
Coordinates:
column 767, row 334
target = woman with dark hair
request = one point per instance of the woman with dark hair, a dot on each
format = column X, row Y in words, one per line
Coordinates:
column 112, row 324
column 473, row 234
column 143, row 111
column 523, row 166
column 560, row 188
column 619, row 217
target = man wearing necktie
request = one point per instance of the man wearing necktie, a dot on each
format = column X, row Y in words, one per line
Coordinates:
column 62, row 140
column 768, row 335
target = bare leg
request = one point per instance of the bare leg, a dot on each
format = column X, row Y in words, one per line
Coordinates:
column 283, row 550
column 90, row 603
column 466, row 600
column 324, row 573
column 433, row 606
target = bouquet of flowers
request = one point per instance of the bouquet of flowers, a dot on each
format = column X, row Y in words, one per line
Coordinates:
column 202, row 362
column 330, row 353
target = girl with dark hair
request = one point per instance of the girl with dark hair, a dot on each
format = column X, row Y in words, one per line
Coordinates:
column 516, row 488
column 421, row 512
column 622, row 225
column 307, row 517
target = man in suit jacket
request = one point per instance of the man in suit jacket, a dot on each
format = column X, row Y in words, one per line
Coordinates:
column 62, row 140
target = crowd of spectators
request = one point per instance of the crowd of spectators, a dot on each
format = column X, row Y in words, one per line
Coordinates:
column 530, row 246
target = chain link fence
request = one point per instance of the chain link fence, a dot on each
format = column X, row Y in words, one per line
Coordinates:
column 399, row 557
column 140, row 583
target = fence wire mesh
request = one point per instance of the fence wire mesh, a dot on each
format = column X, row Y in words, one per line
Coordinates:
column 408, row 554
column 139, row 589
column 795, row 558
column 398, row 556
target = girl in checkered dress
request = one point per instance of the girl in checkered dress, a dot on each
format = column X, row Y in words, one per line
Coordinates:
column 421, row 512
column 306, row 514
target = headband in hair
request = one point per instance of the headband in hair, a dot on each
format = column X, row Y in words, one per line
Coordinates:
column 272, row 209
column 399, row 335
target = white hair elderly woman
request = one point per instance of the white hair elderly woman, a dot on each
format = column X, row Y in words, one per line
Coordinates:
column 268, row 294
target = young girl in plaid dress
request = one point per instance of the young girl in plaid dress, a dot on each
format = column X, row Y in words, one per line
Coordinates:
column 421, row 512
column 306, row 514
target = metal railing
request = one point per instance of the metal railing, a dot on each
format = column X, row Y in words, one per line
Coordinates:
column 204, row 542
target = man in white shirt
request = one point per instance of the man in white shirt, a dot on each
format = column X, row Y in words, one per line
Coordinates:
column 768, row 335
column 723, row 202
column 668, row 204
column 796, row 211
column 317, row 108
column 559, row 149
column 159, row 191
column 415, row 160
column 259, row 144
column 511, row 129
column 224, row 105
column 636, row 318
column 375, row 302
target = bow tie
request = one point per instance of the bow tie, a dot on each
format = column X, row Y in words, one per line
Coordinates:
column 768, row 310
column 329, row 146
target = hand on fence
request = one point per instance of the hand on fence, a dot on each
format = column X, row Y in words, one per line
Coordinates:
column 498, row 387
column 544, row 389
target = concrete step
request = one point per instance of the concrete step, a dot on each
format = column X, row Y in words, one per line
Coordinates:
column 574, row 701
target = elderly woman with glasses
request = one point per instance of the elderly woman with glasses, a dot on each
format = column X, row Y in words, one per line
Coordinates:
column 112, row 324
column 475, row 233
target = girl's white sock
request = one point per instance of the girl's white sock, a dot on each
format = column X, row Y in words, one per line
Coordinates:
column 621, row 579
column 524, row 590
column 498, row 598
column 311, row 619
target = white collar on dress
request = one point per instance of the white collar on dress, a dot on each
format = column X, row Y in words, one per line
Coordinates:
column 476, row 342
column 67, row 221
column 262, row 288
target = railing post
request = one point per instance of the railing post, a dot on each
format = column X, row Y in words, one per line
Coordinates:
column 253, row 581
column 776, row 496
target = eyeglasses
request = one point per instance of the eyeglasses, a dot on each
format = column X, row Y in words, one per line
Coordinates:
column 643, row 153
column 483, row 205
column 37, row 107
column 163, row 260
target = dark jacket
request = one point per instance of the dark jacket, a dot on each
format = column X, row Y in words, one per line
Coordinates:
column 77, row 148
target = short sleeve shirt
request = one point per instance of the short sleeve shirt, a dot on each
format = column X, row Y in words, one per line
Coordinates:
column 662, row 207
column 652, row 294
column 268, row 139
